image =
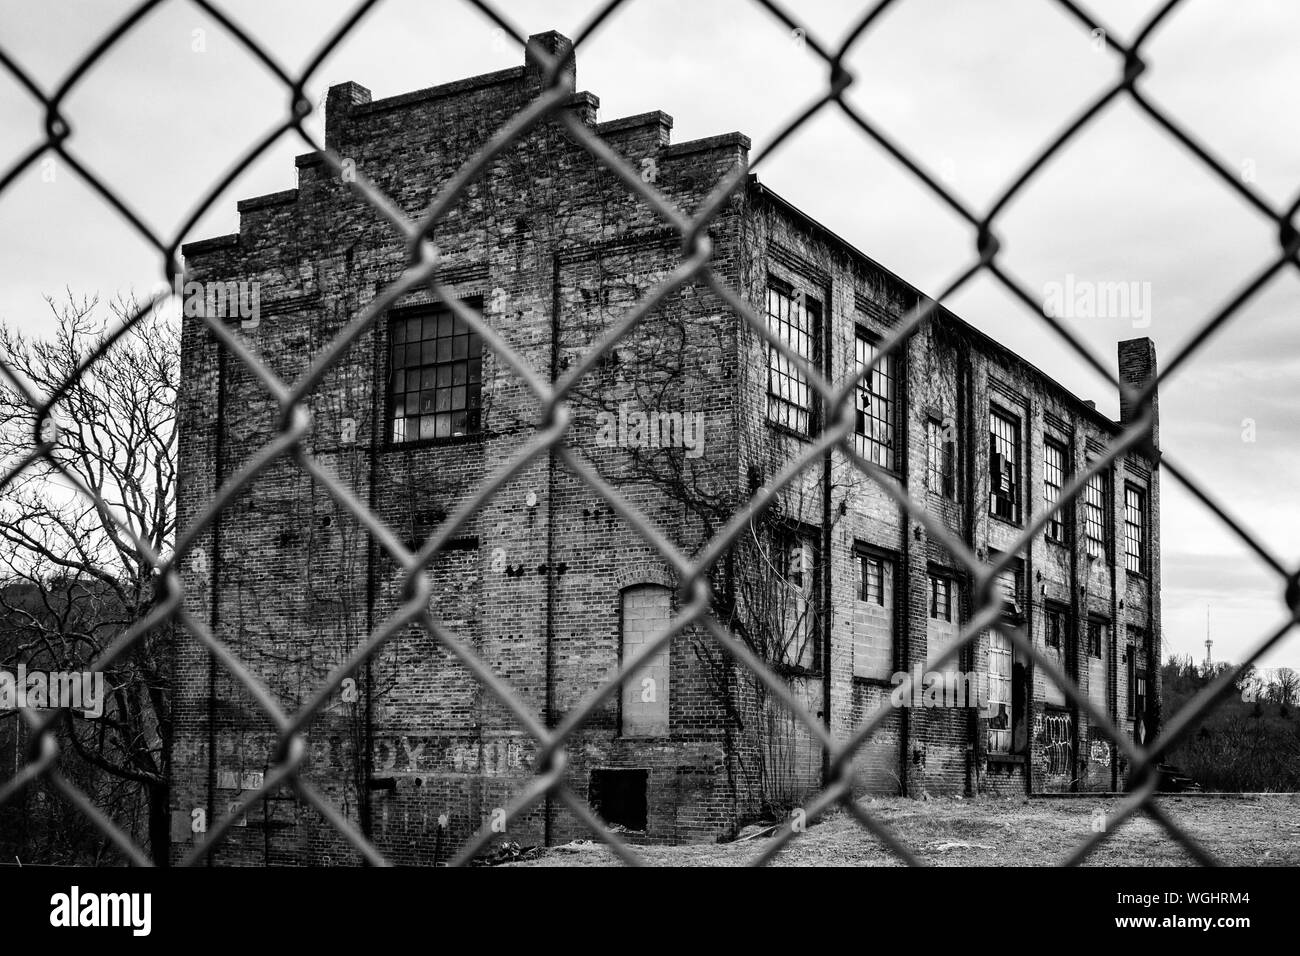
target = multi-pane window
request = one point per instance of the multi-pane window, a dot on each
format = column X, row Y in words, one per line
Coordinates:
column 1135, row 538
column 435, row 376
column 939, row 468
column 871, row 620
column 940, row 597
column 1094, row 514
column 1000, row 693
column 871, row 583
column 792, row 317
column 875, row 404
column 1054, row 474
column 1004, row 465
column 1057, row 635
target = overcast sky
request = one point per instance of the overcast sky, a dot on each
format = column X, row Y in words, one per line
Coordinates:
column 972, row 89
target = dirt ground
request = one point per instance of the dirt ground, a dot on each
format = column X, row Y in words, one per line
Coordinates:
column 1246, row 830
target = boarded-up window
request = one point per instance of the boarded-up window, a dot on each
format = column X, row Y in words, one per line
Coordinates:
column 873, row 617
column 942, row 624
column 1057, row 638
column 646, row 609
column 1098, row 652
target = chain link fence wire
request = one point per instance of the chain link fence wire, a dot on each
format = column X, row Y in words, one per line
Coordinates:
column 43, row 758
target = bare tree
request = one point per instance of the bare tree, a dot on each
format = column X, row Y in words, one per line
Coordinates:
column 76, row 576
column 1284, row 688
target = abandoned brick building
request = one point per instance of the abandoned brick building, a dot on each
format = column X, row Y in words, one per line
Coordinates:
column 836, row 587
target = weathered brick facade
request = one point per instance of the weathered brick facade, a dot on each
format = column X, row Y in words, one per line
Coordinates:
column 546, row 583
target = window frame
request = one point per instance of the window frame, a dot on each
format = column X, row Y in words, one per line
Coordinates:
column 889, row 563
column 474, row 390
column 887, row 368
column 1095, row 640
column 1058, row 527
column 947, row 591
column 1057, row 612
column 1099, row 485
column 1000, row 648
column 999, row 414
column 784, row 538
column 1141, row 558
column 867, row 559
column 805, row 403
column 940, row 459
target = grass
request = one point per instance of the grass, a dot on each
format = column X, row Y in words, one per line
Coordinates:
column 1259, row 829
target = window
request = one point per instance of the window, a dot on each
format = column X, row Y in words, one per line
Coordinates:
column 794, row 608
column 793, row 318
column 939, row 446
column 1004, row 466
column 1096, row 632
column 1009, row 585
column 1057, row 632
column 435, row 375
column 940, row 597
column 999, row 700
column 1137, row 674
column 872, row 615
column 1055, row 471
column 875, row 405
column 1094, row 514
column 646, row 609
column 871, row 583
column 1135, row 520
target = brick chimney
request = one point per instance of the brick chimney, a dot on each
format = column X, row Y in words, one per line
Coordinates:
column 1137, row 367
column 556, row 45
column 338, row 103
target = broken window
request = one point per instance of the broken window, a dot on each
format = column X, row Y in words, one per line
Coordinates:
column 1056, row 629
column 999, row 710
column 1135, row 521
column 939, row 466
column 646, row 610
column 794, row 607
column 1055, row 472
column 875, row 404
column 619, row 798
column 1094, row 514
column 1009, row 586
column 435, row 376
column 793, row 318
column 1004, row 465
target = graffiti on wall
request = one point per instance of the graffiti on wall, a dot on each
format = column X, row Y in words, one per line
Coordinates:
column 1054, row 732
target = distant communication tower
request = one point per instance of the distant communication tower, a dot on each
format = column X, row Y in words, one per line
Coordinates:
column 1208, row 643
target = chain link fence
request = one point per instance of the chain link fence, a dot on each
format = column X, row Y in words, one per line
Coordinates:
column 43, row 759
